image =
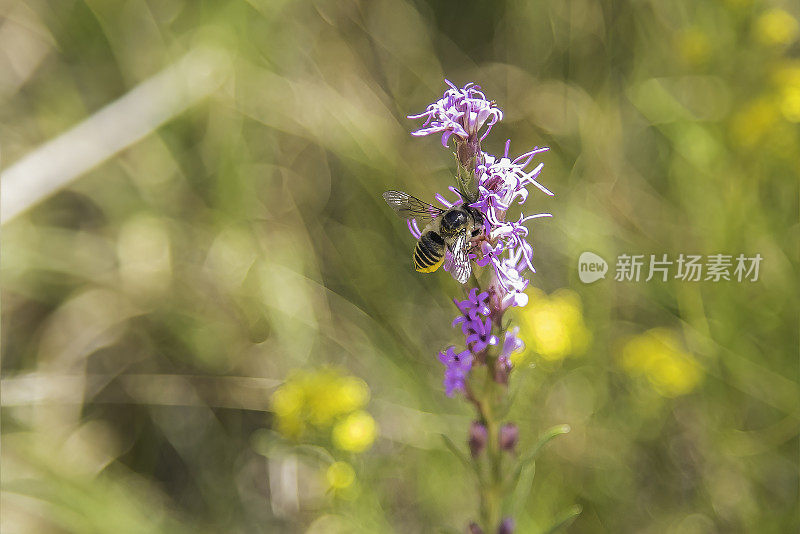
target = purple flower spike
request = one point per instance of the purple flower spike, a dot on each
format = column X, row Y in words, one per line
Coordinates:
column 489, row 188
column 460, row 112
column 501, row 182
column 457, row 367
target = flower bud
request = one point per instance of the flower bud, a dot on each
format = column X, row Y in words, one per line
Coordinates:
column 506, row 527
column 474, row 529
column 478, row 435
column 501, row 374
column 509, row 435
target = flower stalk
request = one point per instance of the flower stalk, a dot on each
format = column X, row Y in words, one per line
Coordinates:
column 488, row 404
column 467, row 158
column 481, row 371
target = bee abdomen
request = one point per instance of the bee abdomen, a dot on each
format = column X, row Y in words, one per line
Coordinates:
column 429, row 252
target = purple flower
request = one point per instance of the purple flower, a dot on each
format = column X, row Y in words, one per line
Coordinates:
column 477, row 329
column 509, row 260
column 503, row 365
column 460, row 112
column 475, row 304
column 502, row 182
column 511, row 344
column 457, row 367
column 475, row 322
column 479, row 335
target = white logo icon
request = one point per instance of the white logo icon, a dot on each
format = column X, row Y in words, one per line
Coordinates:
column 591, row 267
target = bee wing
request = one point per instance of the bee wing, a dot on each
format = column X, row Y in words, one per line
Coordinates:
column 462, row 267
column 410, row 207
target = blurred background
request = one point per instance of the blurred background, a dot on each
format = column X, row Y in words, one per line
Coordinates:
column 212, row 323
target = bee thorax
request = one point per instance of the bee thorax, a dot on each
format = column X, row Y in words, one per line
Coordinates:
column 453, row 221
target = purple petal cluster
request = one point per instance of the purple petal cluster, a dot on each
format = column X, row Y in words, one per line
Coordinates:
column 475, row 321
column 474, row 305
column 501, row 183
column 456, row 368
column 460, row 112
column 511, row 344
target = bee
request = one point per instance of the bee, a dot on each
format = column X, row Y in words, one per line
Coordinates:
column 449, row 230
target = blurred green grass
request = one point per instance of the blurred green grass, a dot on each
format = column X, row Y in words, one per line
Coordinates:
column 152, row 307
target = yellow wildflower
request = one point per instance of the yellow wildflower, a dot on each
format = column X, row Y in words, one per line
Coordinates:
column 329, row 395
column 776, row 27
column 287, row 404
column 553, row 325
column 787, row 79
column 316, row 398
column 340, row 475
column 658, row 356
column 355, row 433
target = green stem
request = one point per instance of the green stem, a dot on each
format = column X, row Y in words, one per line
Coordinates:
column 491, row 487
column 468, row 154
column 494, row 490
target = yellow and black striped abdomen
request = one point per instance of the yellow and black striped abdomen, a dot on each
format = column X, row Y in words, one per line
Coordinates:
column 429, row 252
